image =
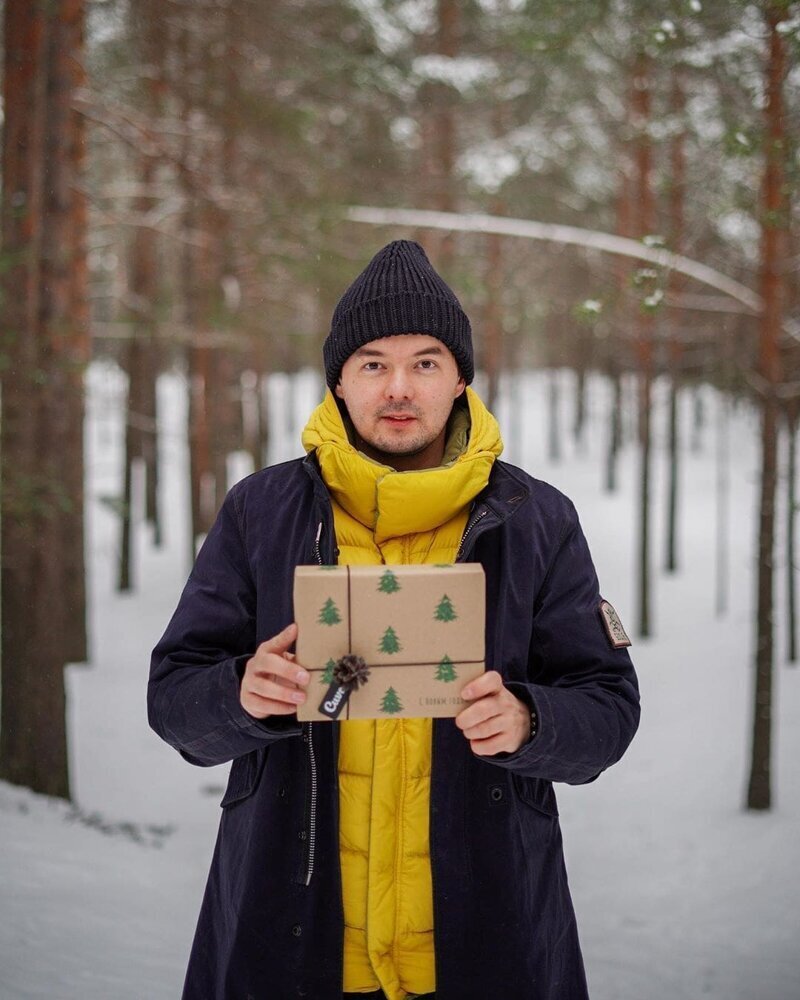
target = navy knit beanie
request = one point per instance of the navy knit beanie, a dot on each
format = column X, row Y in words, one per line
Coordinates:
column 397, row 292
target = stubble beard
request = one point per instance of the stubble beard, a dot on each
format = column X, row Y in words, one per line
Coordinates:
column 400, row 449
column 384, row 449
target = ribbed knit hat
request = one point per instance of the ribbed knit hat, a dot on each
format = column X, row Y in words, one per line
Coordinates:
column 397, row 292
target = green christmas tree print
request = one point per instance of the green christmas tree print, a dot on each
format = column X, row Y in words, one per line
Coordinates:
column 327, row 673
column 329, row 613
column 388, row 583
column 390, row 702
column 445, row 611
column 446, row 671
column 389, row 642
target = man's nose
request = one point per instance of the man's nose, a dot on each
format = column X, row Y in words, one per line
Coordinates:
column 398, row 385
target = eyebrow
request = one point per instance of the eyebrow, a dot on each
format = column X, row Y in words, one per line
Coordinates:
column 376, row 352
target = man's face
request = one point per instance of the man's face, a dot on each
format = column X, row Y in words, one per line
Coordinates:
column 399, row 392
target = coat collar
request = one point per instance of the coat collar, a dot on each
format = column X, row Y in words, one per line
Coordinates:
column 392, row 503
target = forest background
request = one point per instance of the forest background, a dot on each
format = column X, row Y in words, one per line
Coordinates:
column 189, row 185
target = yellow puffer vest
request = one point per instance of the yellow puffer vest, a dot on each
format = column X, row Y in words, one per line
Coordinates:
column 384, row 516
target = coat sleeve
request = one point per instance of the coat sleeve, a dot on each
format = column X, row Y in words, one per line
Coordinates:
column 196, row 668
column 584, row 690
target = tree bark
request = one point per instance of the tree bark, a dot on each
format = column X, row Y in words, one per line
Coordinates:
column 723, row 477
column 43, row 606
column 554, row 422
column 24, row 80
column 675, row 285
column 792, row 420
column 64, row 344
column 493, row 328
column 759, row 791
column 439, row 146
column 645, row 219
column 614, row 439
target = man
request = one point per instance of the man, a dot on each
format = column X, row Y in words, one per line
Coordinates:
column 396, row 857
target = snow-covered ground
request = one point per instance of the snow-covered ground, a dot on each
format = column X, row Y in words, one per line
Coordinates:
column 680, row 893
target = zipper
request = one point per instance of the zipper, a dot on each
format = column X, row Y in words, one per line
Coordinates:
column 312, row 831
column 308, row 737
column 473, row 521
column 317, row 553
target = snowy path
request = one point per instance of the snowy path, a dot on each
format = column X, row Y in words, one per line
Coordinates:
column 680, row 894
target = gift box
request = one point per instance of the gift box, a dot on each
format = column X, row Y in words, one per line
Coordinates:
column 388, row 642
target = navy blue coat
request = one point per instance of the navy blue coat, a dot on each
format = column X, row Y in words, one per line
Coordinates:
column 271, row 925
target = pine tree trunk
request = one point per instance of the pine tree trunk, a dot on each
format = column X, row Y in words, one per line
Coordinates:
column 723, row 487
column 143, row 358
column 493, row 330
column 759, row 791
column 698, row 421
column 676, row 283
column 792, row 420
column 203, row 488
column 71, row 52
column 439, row 146
column 671, row 560
column 579, row 423
column 43, row 609
column 125, row 579
column 64, row 344
column 554, row 431
column 614, row 430
column 24, row 78
column 645, row 463
column 135, row 432
column 264, row 426
column 150, row 448
column 645, row 219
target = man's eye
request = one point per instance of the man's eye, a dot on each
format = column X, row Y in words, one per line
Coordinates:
column 372, row 366
column 427, row 364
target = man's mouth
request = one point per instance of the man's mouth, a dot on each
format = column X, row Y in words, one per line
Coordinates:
column 398, row 418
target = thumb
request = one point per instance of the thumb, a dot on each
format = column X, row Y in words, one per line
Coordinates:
column 282, row 641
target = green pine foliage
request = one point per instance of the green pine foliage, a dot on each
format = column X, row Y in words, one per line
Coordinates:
column 445, row 612
column 446, row 671
column 390, row 703
column 388, row 583
column 389, row 641
column 327, row 673
column 329, row 613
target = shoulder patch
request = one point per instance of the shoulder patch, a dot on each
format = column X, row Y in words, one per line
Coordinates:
column 617, row 635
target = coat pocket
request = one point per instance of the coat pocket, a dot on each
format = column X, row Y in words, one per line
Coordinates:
column 537, row 793
column 244, row 776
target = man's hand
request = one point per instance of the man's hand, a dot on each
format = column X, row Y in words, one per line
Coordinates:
column 272, row 681
column 496, row 721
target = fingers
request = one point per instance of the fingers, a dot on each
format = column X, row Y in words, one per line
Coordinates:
column 281, row 642
column 488, row 735
column 272, row 682
column 501, row 743
column 485, row 730
column 487, row 683
column 267, row 696
column 272, row 657
column 484, row 706
column 496, row 720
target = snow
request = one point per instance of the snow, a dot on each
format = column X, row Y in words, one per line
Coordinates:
column 461, row 72
column 680, row 893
